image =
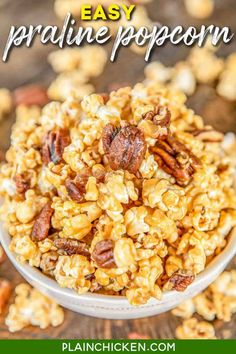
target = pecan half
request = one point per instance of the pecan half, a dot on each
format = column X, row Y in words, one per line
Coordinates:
column 54, row 145
column 175, row 159
column 103, row 254
column 72, row 246
column 42, row 223
column 22, row 183
column 125, row 147
column 76, row 188
column 30, row 95
column 5, row 292
column 208, row 135
column 160, row 116
column 181, row 279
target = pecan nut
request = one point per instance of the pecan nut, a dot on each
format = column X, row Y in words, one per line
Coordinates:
column 42, row 223
column 103, row 254
column 208, row 135
column 125, row 147
column 5, row 292
column 176, row 159
column 181, row 279
column 160, row 116
column 76, row 188
column 30, row 95
column 54, row 144
column 72, row 246
column 22, row 183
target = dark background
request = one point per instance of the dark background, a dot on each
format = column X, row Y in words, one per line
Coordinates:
column 30, row 66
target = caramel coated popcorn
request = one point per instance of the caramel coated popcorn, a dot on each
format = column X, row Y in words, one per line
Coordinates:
column 131, row 195
column 200, row 9
column 32, row 308
column 218, row 301
column 227, row 83
column 194, row 329
column 6, row 102
column 81, row 59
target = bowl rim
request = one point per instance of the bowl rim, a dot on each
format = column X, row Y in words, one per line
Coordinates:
column 50, row 284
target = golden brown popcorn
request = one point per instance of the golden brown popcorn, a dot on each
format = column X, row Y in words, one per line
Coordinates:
column 80, row 59
column 32, row 308
column 107, row 195
column 156, row 71
column 205, row 65
column 184, row 310
column 226, row 85
column 6, row 102
column 71, row 272
column 183, row 78
column 124, row 252
column 200, row 9
column 70, row 83
column 218, row 301
column 194, row 329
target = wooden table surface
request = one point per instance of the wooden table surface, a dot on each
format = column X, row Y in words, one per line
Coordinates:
column 30, row 66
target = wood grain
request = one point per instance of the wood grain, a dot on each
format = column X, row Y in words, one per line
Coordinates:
column 30, row 66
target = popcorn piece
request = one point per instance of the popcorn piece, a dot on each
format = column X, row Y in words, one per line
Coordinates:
column 69, row 83
column 132, row 229
column 217, row 301
column 200, row 9
column 32, row 308
column 62, row 7
column 156, row 71
column 124, row 252
column 193, row 329
column 227, row 83
column 71, row 272
column 184, row 79
column 205, row 65
column 80, row 59
column 5, row 102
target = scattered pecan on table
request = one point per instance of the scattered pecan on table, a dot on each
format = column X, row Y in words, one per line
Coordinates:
column 103, row 254
column 22, row 183
column 72, row 246
column 5, row 292
column 125, row 147
column 181, row 279
column 3, row 256
column 160, row 116
column 30, row 95
column 54, row 145
column 175, row 159
column 208, row 135
column 42, row 223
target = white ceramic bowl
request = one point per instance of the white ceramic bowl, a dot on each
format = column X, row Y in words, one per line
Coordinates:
column 117, row 307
